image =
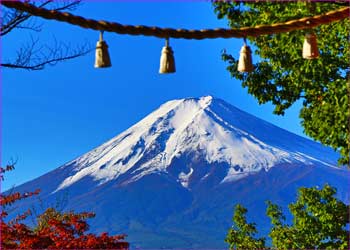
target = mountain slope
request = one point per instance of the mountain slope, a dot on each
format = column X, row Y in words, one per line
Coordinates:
column 192, row 124
column 172, row 179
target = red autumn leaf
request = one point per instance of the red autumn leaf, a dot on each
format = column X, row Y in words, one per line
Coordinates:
column 54, row 230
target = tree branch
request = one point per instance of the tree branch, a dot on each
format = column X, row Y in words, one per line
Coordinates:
column 18, row 17
column 30, row 56
column 36, row 59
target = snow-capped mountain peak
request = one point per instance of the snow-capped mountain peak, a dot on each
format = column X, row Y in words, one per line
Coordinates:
column 206, row 128
column 175, row 175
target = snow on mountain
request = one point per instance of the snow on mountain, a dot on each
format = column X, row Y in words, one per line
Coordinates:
column 206, row 125
column 172, row 179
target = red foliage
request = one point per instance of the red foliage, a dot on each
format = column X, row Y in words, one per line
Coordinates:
column 54, row 230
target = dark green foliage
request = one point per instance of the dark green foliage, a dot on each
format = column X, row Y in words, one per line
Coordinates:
column 241, row 235
column 319, row 222
column 282, row 76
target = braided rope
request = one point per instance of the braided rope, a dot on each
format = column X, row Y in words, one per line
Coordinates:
column 299, row 24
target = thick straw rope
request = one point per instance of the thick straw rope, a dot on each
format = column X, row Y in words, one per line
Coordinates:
column 299, row 24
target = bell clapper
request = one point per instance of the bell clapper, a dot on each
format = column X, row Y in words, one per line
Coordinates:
column 102, row 59
column 167, row 60
column 245, row 63
column 310, row 49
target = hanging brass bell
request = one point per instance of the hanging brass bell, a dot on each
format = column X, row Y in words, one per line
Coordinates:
column 310, row 50
column 245, row 63
column 167, row 60
column 102, row 59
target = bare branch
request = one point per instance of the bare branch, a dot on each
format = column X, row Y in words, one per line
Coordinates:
column 18, row 17
column 33, row 28
column 13, row 18
column 68, row 5
column 34, row 57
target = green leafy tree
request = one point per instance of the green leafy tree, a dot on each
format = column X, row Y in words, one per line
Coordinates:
column 283, row 77
column 241, row 235
column 319, row 222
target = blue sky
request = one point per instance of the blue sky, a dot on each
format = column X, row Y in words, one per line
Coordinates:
column 52, row 116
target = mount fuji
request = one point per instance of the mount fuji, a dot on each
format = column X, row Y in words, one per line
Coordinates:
column 172, row 179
